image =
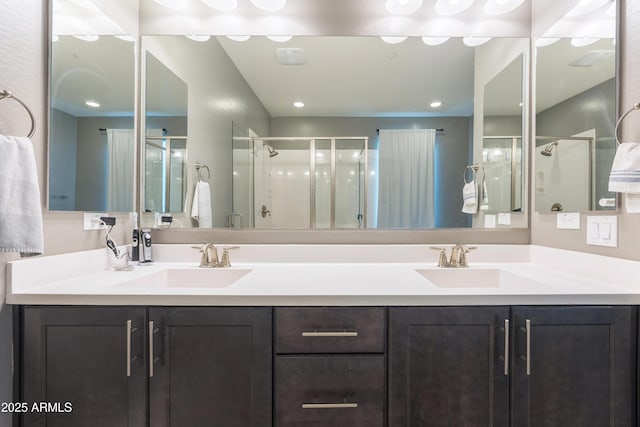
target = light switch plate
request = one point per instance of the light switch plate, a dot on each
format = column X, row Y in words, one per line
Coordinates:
column 602, row 231
column 489, row 221
column 568, row 220
column 504, row 218
column 91, row 221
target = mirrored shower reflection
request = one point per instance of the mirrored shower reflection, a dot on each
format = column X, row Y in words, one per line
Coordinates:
column 165, row 174
column 299, row 182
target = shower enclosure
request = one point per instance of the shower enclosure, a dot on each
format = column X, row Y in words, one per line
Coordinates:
column 165, row 173
column 502, row 164
column 299, row 182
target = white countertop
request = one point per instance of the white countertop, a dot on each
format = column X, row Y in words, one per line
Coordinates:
column 373, row 275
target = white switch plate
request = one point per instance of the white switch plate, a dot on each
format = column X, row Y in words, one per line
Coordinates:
column 504, row 218
column 91, row 221
column 602, row 231
column 568, row 220
column 489, row 221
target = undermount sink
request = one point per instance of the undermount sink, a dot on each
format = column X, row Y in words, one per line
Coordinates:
column 471, row 277
column 190, row 278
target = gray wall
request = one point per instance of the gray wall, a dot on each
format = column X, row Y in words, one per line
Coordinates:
column 453, row 149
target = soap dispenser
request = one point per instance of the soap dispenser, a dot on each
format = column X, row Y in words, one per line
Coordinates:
column 145, row 241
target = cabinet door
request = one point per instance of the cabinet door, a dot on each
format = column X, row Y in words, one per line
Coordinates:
column 84, row 366
column 212, row 367
column 574, row 366
column 447, row 366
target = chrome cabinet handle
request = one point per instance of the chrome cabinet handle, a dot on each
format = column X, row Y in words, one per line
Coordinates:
column 328, row 405
column 129, row 348
column 528, row 330
column 506, row 346
column 151, row 349
column 330, row 334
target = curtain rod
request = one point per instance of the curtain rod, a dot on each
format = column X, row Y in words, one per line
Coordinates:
column 439, row 131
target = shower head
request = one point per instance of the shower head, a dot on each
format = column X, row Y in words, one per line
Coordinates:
column 272, row 151
column 548, row 149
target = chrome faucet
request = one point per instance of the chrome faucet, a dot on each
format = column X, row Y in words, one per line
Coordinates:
column 209, row 257
column 458, row 257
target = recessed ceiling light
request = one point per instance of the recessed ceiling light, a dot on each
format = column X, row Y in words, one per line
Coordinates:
column 173, row 4
column 475, row 41
column 279, row 39
column 436, row 104
column 583, row 41
column 452, row 7
column 239, row 38
column 269, row 5
column 87, row 37
column 298, row 104
column 586, row 6
column 393, row 40
column 434, row 41
column 125, row 38
column 224, row 5
column 403, row 7
column 546, row 41
column 500, row 7
column 198, row 38
column 92, row 104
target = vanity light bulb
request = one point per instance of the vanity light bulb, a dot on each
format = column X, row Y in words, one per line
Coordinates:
column 475, row 41
column 239, row 38
column 402, row 7
column 434, row 41
column 197, row 38
column 269, row 5
column 393, row 40
column 280, row 39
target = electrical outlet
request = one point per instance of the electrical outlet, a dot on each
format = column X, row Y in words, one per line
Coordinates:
column 568, row 220
column 92, row 221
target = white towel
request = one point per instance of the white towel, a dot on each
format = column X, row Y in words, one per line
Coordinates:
column 470, row 198
column 201, row 206
column 20, row 204
column 484, row 206
column 625, row 175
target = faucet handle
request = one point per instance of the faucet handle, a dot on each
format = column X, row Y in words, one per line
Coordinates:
column 226, row 262
column 442, row 258
column 204, row 258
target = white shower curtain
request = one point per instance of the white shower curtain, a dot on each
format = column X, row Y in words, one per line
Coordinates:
column 406, row 178
column 121, row 158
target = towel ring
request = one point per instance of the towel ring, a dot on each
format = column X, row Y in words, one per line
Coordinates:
column 199, row 167
column 7, row 94
column 636, row 106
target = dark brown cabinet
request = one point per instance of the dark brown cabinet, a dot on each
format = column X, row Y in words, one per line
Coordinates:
column 84, row 366
column 212, row 367
column 447, row 366
column 574, row 366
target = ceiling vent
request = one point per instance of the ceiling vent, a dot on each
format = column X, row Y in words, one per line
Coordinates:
column 291, row 56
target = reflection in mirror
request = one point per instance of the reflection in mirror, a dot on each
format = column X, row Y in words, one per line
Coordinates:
column 91, row 143
column 502, row 140
column 165, row 148
column 575, row 110
column 252, row 94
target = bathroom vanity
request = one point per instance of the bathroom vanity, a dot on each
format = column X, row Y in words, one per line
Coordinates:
column 354, row 343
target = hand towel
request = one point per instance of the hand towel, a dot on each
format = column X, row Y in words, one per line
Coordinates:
column 20, row 205
column 484, row 206
column 201, row 206
column 625, row 175
column 469, row 198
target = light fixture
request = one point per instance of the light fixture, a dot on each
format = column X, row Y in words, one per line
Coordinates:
column 279, row 39
column 224, row 5
column 475, row 41
column 586, row 6
column 87, row 37
column 173, row 4
column 500, row 7
column 269, row 5
column 583, row 41
column 125, row 38
column 239, row 38
column 434, row 41
column 546, row 41
column 298, row 104
column 402, row 7
column 198, row 38
column 452, row 7
column 92, row 104
column 393, row 40
column 435, row 104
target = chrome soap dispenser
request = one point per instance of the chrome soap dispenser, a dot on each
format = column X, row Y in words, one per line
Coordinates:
column 145, row 242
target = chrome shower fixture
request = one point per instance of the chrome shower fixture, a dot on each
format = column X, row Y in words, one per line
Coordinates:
column 272, row 151
column 547, row 150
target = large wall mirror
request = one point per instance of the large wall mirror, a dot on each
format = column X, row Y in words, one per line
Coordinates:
column 575, row 106
column 92, row 90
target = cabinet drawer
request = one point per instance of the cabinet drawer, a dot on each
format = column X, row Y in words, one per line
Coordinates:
column 330, row 391
column 330, row 330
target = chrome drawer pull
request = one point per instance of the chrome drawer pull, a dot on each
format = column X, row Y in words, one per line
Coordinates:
column 328, row 405
column 506, row 346
column 129, row 330
column 151, row 349
column 330, row 334
column 528, row 331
